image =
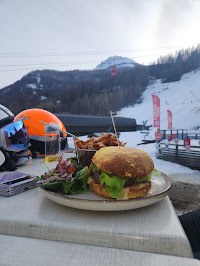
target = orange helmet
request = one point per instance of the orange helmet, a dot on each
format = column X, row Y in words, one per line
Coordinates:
column 35, row 129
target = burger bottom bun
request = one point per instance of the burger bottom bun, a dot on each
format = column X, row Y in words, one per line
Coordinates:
column 138, row 190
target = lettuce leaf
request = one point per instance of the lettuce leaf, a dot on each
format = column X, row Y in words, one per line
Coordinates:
column 114, row 184
column 145, row 178
column 94, row 168
column 53, row 186
column 156, row 172
column 76, row 165
column 78, row 184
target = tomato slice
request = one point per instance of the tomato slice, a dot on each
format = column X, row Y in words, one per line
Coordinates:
column 70, row 170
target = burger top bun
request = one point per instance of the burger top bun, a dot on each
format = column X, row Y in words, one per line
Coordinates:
column 123, row 162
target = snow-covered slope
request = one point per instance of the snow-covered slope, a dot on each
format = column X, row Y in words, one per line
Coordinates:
column 118, row 61
column 182, row 98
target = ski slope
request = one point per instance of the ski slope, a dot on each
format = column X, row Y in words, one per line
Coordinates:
column 182, row 99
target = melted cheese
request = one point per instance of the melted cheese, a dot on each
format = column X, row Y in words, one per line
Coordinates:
column 138, row 186
column 89, row 180
column 125, row 192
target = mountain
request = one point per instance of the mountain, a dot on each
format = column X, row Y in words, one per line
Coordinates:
column 118, row 61
column 95, row 92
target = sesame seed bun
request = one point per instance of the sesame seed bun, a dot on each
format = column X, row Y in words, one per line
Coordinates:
column 124, row 162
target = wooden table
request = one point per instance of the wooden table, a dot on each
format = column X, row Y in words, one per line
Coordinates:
column 19, row 251
column 154, row 229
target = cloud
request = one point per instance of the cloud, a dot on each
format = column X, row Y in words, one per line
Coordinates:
column 172, row 20
column 47, row 28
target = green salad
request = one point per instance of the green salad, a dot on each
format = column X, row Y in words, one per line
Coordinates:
column 69, row 177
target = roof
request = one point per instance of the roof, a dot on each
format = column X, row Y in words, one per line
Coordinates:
column 70, row 119
column 87, row 124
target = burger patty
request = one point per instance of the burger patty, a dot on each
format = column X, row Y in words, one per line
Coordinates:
column 95, row 176
column 130, row 182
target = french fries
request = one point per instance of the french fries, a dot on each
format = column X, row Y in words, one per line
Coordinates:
column 95, row 143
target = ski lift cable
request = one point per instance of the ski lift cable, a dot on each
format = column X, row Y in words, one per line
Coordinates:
column 176, row 112
column 176, row 103
column 66, row 63
column 13, row 54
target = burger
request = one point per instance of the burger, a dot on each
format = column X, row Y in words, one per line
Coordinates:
column 120, row 173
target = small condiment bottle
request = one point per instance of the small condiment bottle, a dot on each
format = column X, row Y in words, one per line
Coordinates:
column 52, row 143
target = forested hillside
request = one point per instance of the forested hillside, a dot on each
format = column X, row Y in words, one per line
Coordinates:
column 94, row 92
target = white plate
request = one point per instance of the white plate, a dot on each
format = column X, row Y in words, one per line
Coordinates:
column 91, row 201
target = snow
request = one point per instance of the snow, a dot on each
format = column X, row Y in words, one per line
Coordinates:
column 32, row 86
column 174, row 96
column 118, row 61
column 38, row 84
column 38, row 78
column 180, row 97
column 43, row 98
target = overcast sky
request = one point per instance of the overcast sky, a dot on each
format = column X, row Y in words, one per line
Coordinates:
column 80, row 34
